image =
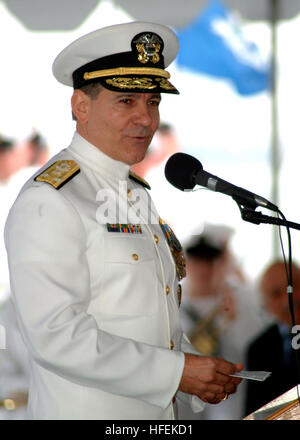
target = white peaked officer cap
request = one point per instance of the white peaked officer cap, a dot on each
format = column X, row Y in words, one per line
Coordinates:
column 129, row 57
column 209, row 241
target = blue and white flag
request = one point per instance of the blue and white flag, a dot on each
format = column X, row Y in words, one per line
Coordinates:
column 215, row 45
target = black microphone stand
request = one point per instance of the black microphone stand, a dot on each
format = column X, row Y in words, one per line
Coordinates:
column 249, row 214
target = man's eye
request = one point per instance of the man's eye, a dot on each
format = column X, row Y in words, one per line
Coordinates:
column 126, row 100
column 154, row 102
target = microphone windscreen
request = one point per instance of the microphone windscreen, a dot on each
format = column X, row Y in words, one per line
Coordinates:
column 180, row 170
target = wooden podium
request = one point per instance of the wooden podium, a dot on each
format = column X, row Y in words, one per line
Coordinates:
column 284, row 407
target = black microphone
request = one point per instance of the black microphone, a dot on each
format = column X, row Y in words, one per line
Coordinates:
column 184, row 172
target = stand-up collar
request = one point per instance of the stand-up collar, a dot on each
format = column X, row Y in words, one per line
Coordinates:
column 95, row 159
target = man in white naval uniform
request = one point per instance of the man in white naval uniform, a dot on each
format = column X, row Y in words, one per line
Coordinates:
column 94, row 271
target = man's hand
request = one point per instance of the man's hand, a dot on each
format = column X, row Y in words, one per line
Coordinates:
column 208, row 377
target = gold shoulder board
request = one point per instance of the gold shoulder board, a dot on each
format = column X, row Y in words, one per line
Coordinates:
column 139, row 179
column 59, row 173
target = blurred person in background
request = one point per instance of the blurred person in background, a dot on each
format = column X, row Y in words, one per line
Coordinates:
column 8, row 162
column 18, row 160
column 17, row 156
column 272, row 349
column 40, row 149
column 32, row 153
column 220, row 311
column 9, row 166
column 13, row 366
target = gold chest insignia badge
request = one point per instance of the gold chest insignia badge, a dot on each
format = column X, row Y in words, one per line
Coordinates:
column 148, row 47
column 175, row 248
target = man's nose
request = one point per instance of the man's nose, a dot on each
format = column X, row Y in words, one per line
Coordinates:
column 143, row 115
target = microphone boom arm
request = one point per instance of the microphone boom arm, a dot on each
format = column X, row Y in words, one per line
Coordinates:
column 256, row 217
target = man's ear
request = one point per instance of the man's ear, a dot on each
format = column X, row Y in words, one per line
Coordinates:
column 80, row 106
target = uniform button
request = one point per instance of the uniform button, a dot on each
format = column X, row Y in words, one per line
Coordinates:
column 167, row 290
column 156, row 239
column 9, row 404
column 135, row 257
column 129, row 193
column 171, row 345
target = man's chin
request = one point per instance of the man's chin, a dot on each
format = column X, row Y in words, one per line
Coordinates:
column 135, row 160
column 137, row 154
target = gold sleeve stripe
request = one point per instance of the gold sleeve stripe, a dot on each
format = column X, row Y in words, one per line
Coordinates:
column 127, row 71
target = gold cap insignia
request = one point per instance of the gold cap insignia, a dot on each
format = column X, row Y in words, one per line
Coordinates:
column 59, row 173
column 149, row 47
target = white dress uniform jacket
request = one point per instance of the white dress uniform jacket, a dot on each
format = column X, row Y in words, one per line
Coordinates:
column 98, row 309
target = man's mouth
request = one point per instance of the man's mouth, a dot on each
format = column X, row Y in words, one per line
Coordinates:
column 140, row 138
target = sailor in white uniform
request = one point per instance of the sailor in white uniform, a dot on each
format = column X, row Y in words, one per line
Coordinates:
column 95, row 272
